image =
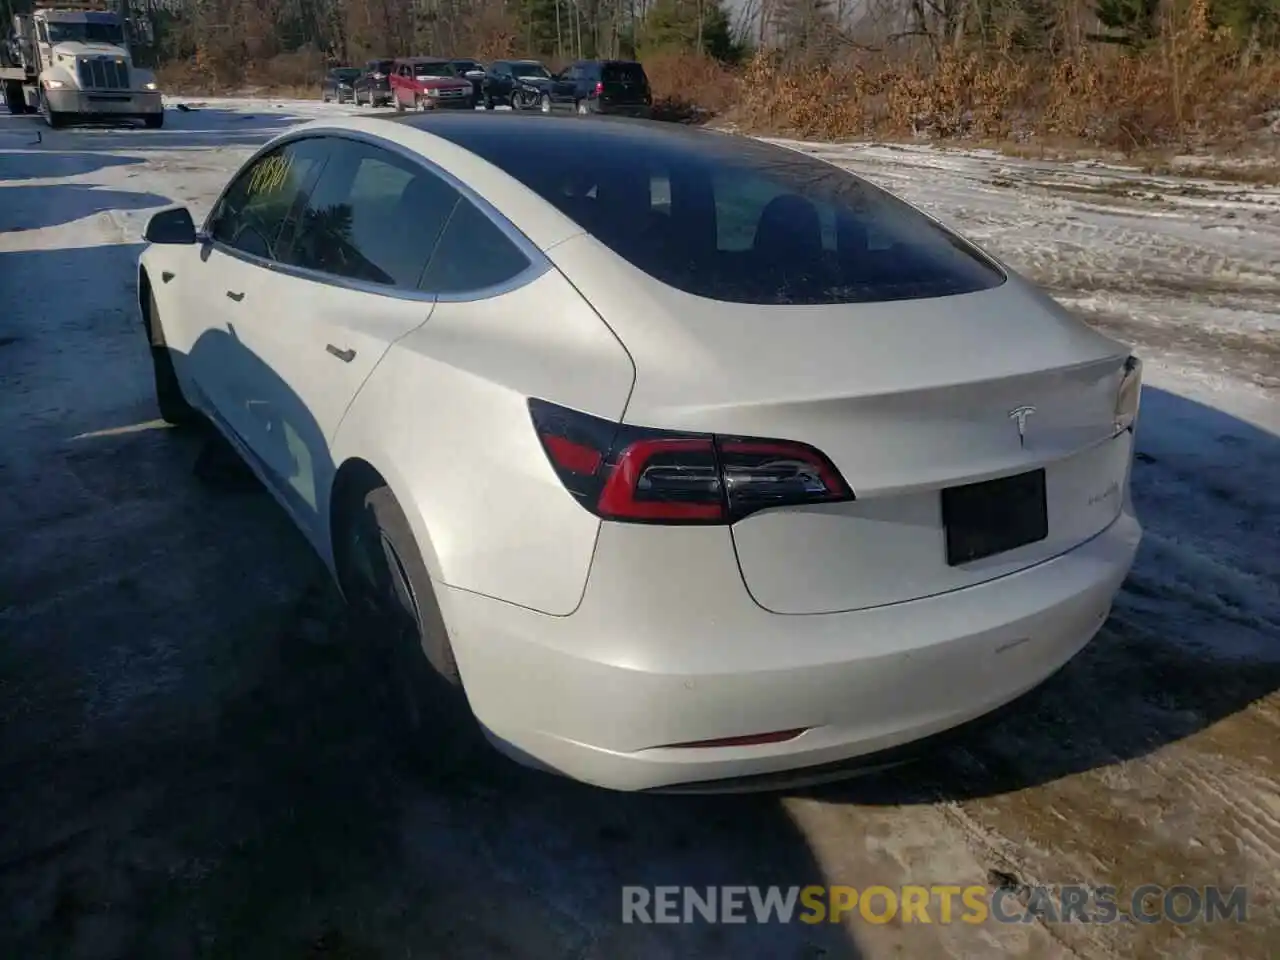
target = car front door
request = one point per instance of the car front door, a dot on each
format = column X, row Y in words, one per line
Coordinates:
column 348, row 289
column 238, row 246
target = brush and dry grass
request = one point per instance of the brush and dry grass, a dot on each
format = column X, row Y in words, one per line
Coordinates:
column 1192, row 90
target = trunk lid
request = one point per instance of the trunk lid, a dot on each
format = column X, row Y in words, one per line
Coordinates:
column 907, row 399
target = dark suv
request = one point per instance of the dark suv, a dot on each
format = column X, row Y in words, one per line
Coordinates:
column 373, row 86
column 516, row 83
column 600, row 86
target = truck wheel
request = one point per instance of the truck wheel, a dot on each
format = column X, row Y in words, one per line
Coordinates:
column 154, row 121
column 13, row 97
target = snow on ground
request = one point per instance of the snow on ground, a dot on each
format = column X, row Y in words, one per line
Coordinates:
column 193, row 765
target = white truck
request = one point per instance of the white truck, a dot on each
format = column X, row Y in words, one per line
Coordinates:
column 70, row 61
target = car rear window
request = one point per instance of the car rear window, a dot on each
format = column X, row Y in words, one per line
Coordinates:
column 623, row 73
column 731, row 218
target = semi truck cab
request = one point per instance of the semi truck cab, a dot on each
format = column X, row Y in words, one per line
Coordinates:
column 73, row 63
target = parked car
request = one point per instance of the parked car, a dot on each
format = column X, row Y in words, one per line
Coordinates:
column 373, row 86
column 665, row 493
column 600, row 86
column 339, row 84
column 425, row 83
column 517, row 83
column 472, row 70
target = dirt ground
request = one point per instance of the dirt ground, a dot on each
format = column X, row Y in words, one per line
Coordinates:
column 192, row 756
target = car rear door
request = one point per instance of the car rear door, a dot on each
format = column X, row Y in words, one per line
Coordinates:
column 346, row 290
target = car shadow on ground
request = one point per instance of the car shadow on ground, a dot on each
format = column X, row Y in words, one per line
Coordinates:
column 195, row 741
column 197, row 127
column 32, row 208
column 30, row 163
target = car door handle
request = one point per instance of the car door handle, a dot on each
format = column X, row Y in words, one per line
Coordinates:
column 237, row 297
column 346, row 356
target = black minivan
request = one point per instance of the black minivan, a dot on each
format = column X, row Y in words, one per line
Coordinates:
column 600, row 86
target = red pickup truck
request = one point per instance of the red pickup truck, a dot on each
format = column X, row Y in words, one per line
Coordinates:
column 426, row 83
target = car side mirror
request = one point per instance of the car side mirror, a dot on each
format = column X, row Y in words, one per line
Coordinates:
column 171, row 226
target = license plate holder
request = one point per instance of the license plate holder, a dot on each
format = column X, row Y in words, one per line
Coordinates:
column 994, row 516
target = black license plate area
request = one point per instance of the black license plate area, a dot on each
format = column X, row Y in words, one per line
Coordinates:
column 994, row 516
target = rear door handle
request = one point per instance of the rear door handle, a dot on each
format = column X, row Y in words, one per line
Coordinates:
column 237, row 297
column 346, row 356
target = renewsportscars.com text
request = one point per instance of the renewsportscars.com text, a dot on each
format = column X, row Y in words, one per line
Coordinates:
column 939, row 903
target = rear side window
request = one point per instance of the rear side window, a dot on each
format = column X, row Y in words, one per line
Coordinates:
column 737, row 220
column 624, row 73
column 371, row 216
column 473, row 254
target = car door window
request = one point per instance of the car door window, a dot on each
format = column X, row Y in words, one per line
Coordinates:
column 252, row 214
column 473, row 254
column 372, row 216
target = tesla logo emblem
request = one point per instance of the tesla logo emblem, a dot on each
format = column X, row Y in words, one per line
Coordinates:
column 1019, row 416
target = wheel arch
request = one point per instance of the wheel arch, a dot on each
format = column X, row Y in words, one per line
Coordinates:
column 357, row 475
column 154, row 337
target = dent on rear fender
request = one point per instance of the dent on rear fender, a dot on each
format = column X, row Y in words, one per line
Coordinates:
column 444, row 418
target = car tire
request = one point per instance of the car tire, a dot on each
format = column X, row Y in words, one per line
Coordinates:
column 393, row 609
column 545, row 103
column 153, row 121
column 14, row 98
column 174, row 408
column 515, row 102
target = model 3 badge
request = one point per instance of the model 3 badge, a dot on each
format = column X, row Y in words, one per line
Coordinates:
column 1019, row 416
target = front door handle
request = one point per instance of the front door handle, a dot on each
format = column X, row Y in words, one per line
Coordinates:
column 346, row 356
column 237, row 297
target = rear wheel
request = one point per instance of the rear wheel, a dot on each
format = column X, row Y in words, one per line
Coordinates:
column 394, row 609
column 516, row 102
column 154, row 121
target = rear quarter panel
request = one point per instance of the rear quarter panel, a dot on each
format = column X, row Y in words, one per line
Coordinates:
column 444, row 418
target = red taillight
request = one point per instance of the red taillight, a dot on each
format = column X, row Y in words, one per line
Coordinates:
column 599, row 88
column 637, row 475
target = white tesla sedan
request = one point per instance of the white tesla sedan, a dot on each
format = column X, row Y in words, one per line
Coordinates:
column 677, row 459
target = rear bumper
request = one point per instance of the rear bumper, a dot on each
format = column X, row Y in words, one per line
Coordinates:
column 639, row 110
column 667, row 648
column 116, row 103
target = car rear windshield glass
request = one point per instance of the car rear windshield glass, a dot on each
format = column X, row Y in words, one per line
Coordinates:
column 730, row 218
column 432, row 70
column 623, row 73
column 350, row 74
